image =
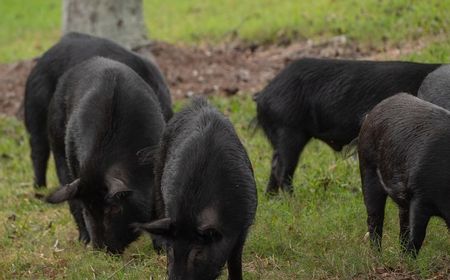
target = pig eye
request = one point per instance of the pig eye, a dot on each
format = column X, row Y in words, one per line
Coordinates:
column 113, row 209
column 120, row 195
column 209, row 235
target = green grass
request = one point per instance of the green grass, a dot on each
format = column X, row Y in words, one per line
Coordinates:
column 370, row 21
column 27, row 28
column 437, row 52
column 317, row 234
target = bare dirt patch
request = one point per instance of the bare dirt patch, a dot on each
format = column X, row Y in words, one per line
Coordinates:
column 12, row 83
column 226, row 69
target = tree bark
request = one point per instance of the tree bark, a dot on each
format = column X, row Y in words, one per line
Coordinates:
column 119, row 20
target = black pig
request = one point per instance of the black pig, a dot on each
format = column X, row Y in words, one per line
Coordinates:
column 102, row 114
column 436, row 87
column 72, row 49
column 404, row 154
column 325, row 99
column 208, row 194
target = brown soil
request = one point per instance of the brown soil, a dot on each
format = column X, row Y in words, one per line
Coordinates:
column 225, row 69
column 12, row 84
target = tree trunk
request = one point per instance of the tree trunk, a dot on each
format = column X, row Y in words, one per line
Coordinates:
column 119, row 20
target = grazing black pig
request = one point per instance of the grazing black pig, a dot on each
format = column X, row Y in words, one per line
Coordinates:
column 436, row 87
column 72, row 49
column 102, row 114
column 404, row 154
column 325, row 99
column 208, row 194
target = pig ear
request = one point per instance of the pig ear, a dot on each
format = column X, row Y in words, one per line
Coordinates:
column 64, row 193
column 116, row 188
column 159, row 227
column 148, row 154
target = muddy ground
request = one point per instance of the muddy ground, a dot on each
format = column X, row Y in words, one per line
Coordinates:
column 228, row 69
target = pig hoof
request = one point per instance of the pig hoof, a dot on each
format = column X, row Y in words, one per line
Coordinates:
column 157, row 246
column 84, row 238
column 288, row 189
column 271, row 193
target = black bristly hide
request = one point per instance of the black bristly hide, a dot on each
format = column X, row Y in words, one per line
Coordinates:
column 72, row 49
column 325, row 99
column 207, row 195
column 404, row 153
column 102, row 114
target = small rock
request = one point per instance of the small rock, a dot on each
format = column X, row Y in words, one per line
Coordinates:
column 366, row 236
column 179, row 79
column 243, row 75
column 208, row 90
column 231, row 90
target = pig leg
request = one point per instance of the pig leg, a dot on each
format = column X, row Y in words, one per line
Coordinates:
column 273, row 186
column 157, row 244
column 36, row 104
column 61, row 168
column 404, row 226
column 287, row 148
column 290, row 145
column 157, row 213
column 40, row 152
column 444, row 210
column 419, row 216
column 447, row 219
column 58, row 147
column 375, row 201
column 56, row 134
column 76, row 207
column 271, row 132
column 235, row 261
